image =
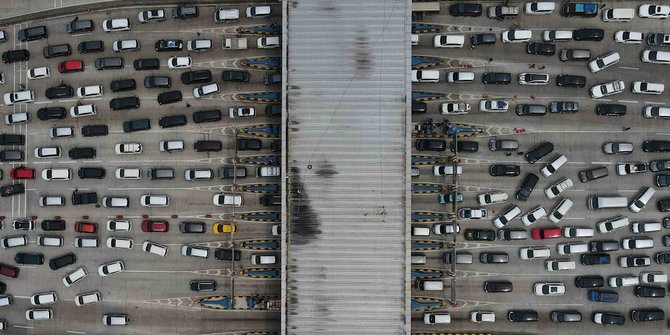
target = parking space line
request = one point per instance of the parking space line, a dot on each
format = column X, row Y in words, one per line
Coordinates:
column 26, row 327
column 653, row 103
column 629, row 68
column 629, row 101
column 74, row 332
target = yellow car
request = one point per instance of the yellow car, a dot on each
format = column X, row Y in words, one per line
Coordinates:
column 224, row 228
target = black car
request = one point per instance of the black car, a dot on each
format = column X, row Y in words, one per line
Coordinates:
column 595, row 259
column 589, row 281
column 663, row 180
column 109, row 63
column 666, row 240
column 51, row 113
column 566, row 316
column 207, row 116
column 272, row 78
column 122, row 85
column 11, row 155
column 656, row 146
column 244, row 144
column 185, row 12
column 235, row 75
column 527, row 186
column 604, row 245
column 213, row 145
column 522, row 316
column 273, row 110
column 479, row 234
column 569, row 80
column 157, row 81
column 506, row 170
column 12, row 189
column 12, row 139
column 659, row 165
column 91, row 46
column 588, row 34
column 33, row 34
column 610, row 318
column 419, row 107
column 136, row 125
column 431, row 145
column 80, row 26
column 643, row 291
column 124, row 103
column 57, row 50
column 647, row 314
column 49, row 225
column 465, row 9
column 62, row 261
column 493, row 257
column 12, row 56
column 60, row 91
column 275, row 146
column 95, row 130
column 84, row 198
column 227, row 254
column 203, row 285
column 29, row 258
column 663, row 205
column 465, row 146
column 483, row 38
column 543, row 49
column 146, row 64
column 169, row 45
column 539, row 151
column 230, row 172
column 497, row 78
column 564, row 107
column 498, row 287
column 193, row 227
column 82, row 153
column 196, row 77
column 91, row 173
column 531, row 109
column 169, row 97
column 172, row 121
column 611, row 109
column 662, row 257
column 270, row 199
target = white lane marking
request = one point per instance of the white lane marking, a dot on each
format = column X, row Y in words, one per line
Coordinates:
column 602, row 163
column 74, row 332
column 601, row 99
column 629, row 101
column 654, row 103
column 662, row 133
column 26, row 327
column 629, row 68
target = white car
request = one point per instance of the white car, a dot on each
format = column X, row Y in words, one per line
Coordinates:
column 573, row 232
column 47, row 152
column 652, row 11
column 449, row 41
column 516, row 36
column 57, row 174
column 655, row 57
column 180, row 62
column 83, row 110
column 623, row 169
column 560, row 211
column 556, row 35
column 198, row 174
column 494, row 106
column 39, row 314
column 19, row 97
column 61, row 132
column 171, row 145
column 74, row 276
column 643, row 87
column 641, row 200
column 534, row 215
column 506, row 217
column 199, row 45
column 559, row 265
column 258, row 12
column 482, row 316
column 446, row 170
column 125, row 45
column 533, row 78
column 118, row 225
column 131, row 148
column 610, row 225
column 628, row 37
column 534, row 252
column 111, row 25
column 634, row 261
column 539, row 8
column 549, row 289
column 572, row 248
column 111, row 268
column 634, row 243
column 155, row 200
column 425, row 76
column 439, row 228
column 606, row 89
column 154, row 248
column 552, row 167
column 87, row 298
column 604, row 61
column 653, row 277
column 491, row 198
column 241, row 112
column 623, row 281
column 119, row 242
column 227, row 199
column 556, row 189
column 16, row 118
column 89, row 91
column 227, row 15
column 459, row 77
column 472, row 213
column 128, row 173
column 115, row 202
column 269, row 42
column 455, row 108
column 436, row 318
column 204, row 90
column 44, row 298
column 153, row 15
column 38, row 73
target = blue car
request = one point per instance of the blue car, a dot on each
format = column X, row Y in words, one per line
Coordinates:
column 603, row 296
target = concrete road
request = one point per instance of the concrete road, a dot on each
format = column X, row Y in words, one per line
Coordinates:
column 578, row 136
column 153, row 291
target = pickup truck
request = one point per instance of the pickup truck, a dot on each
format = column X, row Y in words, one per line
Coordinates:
column 235, row 43
column 623, row 169
column 84, row 198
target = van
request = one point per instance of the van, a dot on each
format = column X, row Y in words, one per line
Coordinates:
column 599, row 202
column 189, row 250
column 420, row 231
column 461, row 258
column 575, row 55
column 418, row 258
column 645, row 227
column 618, row 14
column 268, row 171
column 556, row 35
column 425, row 76
column 226, row 15
column 603, row 296
column 90, row 47
column 87, row 298
column 633, row 243
column 169, row 97
column 160, row 174
column 207, row 116
column 108, row 63
column 86, row 242
column 611, row 110
column 429, row 285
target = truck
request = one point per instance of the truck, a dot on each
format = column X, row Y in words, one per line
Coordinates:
column 235, row 43
column 580, row 9
column 503, row 12
column 623, row 169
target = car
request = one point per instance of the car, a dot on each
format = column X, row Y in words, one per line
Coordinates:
column 151, row 226
column 479, row 234
column 87, row 298
column 51, row 113
column 227, row 254
column 612, row 224
column 508, row 215
column 86, row 227
column 503, row 145
column 198, row 174
column 607, row 89
column 449, row 41
column 53, row 224
column 465, row 9
column 652, row 11
column 33, row 33
column 83, row 110
column 82, row 153
column 227, row 199
column 13, row 56
column 56, row 174
column 11, row 155
column 109, row 63
column 663, row 180
column 447, row 170
column 472, row 213
column 241, row 112
column 157, row 82
column 239, row 76
column 115, row 202
column 533, row 215
column 617, row 148
column 556, row 36
column 637, row 243
column 662, row 257
column 512, row 234
column 84, row 198
column 593, row 174
column 531, row 109
column 491, row 198
column 526, row 187
column 136, row 125
column 171, row 145
column 119, row 242
column 86, row 242
column 482, row 316
column 169, row 45
column 493, row 258
column 553, row 166
column 8, row 271
column 595, row 259
column 146, row 64
column 655, row 57
column 589, row 281
column 80, row 26
column 216, row 145
column 557, row 188
column 608, row 318
column 572, row 248
column 539, row 151
column 155, row 248
column 604, row 61
column 431, row 145
column 516, row 36
column 546, row 233
column 192, row 227
column 38, row 73
column 497, row 78
column 112, row 25
column 549, row 289
column 460, row 77
column 199, row 45
column 47, row 152
column 60, row 91
column 425, row 76
column 455, row 108
column 647, row 314
column 588, row 34
column 152, row 15
column 179, row 62
column 560, row 211
column 498, row 287
column 568, row 80
column 111, row 268
column 224, row 228
column 203, row 285
column 131, row 148
column 658, row 39
column 623, row 169
column 628, row 37
column 125, row 45
column 542, row 49
column 634, row 261
column 533, row 78
column 90, row 91
column 12, row 98
column 196, row 77
column 564, row 107
column 91, row 46
column 268, row 42
column 172, row 121
column 62, row 261
column 656, row 146
column 154, row 200
column 183, row 12
column 493, row 106
column 23, row 224
column 522, row 316
column 649, row 291
column 507, row 170
column 122, row 85
column 118, row 225
column 527, row 253
column 26, row 258
column 539, row 8
column 565, row 316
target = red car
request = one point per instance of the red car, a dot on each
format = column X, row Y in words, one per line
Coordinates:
column 8, row 270
column 545, row 233
column 149, row 226
column 22, row 172
column 71, row 66
column 86, row 227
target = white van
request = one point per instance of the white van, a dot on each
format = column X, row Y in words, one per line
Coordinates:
column 87, row 298
column 429, row 285
column 425, row 76
column 259, row 259
column 645, row 227
column 612, row 224
column 600, row 202
column 559, row 265
column 618, row 14
column 74, row 276
column 633, row 243
column 420, row 231
column 188, row 250
column 227, row 15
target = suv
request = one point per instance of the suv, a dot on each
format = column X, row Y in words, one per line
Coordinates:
column 51, row 113
column 526, row 187
column 124, row 103
column 207, row 116
column 497, row 78
column 90, row 47
column 588, row 34
column 60, row 91
column 172, row 121
column 207, row 146
column 544, row 49
column 91, row 173
column 12, row 139
column 593, row 174
column 82, row 153
column 80, row 26
column 33, row 34
column 122, row 85
column 95, row 130
column 185, row 12
column 146, row 64
column 109, row 63
column 539, row 151
column 169, row 97
column 196, row 77
column 569, row 80
column 12, row 56
column 58, row 50
column 136, row 125
column 62, row 261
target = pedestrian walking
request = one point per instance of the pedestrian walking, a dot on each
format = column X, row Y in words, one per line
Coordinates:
column 490, row 59
column 626, row 128
column 520, row 153
column 508, row 154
